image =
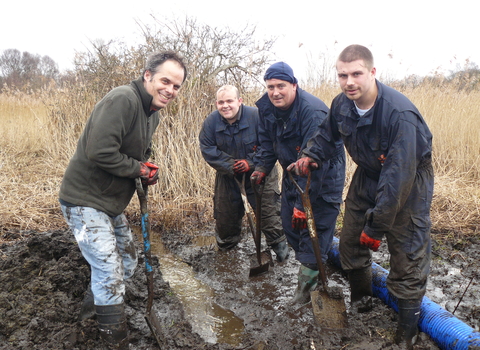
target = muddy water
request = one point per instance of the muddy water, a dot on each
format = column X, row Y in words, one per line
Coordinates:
column 212, row 322
column 225, row 305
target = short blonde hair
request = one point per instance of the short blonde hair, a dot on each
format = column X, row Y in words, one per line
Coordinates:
column 229, row 87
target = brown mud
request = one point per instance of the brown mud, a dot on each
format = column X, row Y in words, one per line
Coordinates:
column 43, row 278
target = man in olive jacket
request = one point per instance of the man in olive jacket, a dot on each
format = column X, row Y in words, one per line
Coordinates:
column 99, row 182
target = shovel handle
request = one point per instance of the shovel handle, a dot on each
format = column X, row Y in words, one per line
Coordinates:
column 258, row 190
column 142, row 193
column 246, row 205
column 312, row 229
column 248, row 210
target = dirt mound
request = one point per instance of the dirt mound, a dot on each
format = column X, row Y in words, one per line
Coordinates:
column 43, row 281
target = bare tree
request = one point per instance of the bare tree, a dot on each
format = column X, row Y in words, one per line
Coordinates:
column 214, row 55
column 30, row 67
column 26, row 70
column 48, row 68
column 10, row 66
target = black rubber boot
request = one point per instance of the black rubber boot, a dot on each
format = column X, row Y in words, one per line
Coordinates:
column 361, row 289
column 112, row 325
column 281, row 250
column 307, row 282
column 88, row 307
column 408, row 315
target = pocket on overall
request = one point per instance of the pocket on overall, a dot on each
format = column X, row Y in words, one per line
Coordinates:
column 419, row 229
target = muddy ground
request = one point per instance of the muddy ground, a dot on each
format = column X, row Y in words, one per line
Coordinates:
column 43, row 278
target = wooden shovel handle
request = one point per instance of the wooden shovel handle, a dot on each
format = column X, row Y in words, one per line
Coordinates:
column 307, row 206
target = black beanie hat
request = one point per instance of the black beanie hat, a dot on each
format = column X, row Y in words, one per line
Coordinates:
column 282, row 71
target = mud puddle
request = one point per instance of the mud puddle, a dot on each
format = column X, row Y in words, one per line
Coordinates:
column 212, row 322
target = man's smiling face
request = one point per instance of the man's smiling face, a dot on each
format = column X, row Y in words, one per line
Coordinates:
column 164, row 84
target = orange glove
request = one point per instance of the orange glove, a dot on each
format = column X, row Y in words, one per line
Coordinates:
column 302, row 166
column 299, row 219
column 148, row 173
column 241, row 166
column 257, row 177
column 371, row 243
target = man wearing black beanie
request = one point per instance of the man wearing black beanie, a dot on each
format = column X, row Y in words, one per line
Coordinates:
column 289, row 116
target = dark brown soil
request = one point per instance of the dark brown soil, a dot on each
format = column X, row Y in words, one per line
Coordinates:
column 43, row 278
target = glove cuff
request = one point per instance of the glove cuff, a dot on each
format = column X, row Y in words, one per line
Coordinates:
column 373, row 234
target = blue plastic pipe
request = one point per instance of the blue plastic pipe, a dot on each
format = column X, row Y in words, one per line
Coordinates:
column 442, row 326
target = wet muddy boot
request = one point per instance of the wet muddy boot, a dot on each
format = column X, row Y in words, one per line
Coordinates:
column 307, row 282
column 407, row 329
column 88, row 307
column 281, row 250
column 112, row 325
column 361, row 289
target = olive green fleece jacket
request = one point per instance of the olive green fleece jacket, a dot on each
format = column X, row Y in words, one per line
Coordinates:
column 116, row 138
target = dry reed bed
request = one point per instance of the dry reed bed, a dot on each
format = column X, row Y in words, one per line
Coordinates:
column 38, row 135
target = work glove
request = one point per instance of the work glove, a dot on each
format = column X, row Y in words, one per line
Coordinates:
column 241, row 166
column 367, row 241
column 148, row 173
column 257, row 177
column 303, row 166
column 299, row 219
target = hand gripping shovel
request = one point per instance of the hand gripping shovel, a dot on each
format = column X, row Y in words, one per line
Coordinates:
column 264, row 259
column 327, row 303
column 150, row 316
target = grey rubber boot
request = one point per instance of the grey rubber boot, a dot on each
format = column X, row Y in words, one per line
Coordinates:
column 307, row 282
column 112, row 325
column 88, row 306
column 361, row 289
column 408, row 316
column 281, row 250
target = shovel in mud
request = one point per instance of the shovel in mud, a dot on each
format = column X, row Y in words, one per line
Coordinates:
column 263, row 259
column 150, row 315
column 327, row 303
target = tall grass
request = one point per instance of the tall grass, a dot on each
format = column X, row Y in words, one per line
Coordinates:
column 38, row 136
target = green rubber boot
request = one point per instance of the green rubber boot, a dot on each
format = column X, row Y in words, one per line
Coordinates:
column 307, row 282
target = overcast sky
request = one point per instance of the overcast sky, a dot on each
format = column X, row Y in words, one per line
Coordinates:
column 406, row 37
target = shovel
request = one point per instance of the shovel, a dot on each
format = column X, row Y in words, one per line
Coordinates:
column 264, row 259
column 150, row 315
column 327, row 303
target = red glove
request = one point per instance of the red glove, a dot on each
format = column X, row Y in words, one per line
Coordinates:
column 369, row 242
column 302, row 166
column 299, row 219
column 148, row 173
column 257, row 177
column 241, row 166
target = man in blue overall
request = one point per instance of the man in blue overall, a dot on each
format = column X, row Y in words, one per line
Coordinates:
column 229, row 141
column 289, row 116
column 391, row 191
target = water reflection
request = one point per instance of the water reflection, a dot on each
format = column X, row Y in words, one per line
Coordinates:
column 212, row 322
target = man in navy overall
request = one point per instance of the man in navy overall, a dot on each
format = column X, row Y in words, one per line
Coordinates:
column 289, row 116
column 391, row 191
column 229, row 141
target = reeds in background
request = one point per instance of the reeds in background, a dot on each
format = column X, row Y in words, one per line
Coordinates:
column 38, row 135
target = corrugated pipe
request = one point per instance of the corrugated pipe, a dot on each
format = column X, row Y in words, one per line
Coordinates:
column 442, row 326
